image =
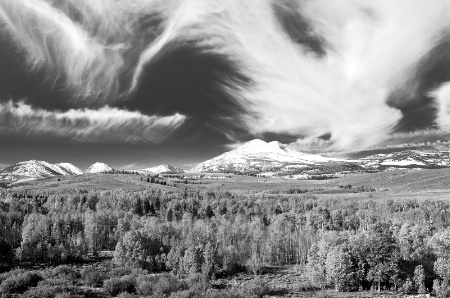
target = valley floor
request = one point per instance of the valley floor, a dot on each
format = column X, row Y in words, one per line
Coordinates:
column 239, row 218
column 399, row 184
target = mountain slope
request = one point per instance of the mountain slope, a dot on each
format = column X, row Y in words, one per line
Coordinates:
column 70, row 168
column 258, row 156
column 407, row 159
column 34, row 169
column 161, row 169
column 99, row 167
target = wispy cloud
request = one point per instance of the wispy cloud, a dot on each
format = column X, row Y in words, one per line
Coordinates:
column 85, row 125
column 67, row 51
column 370, row 49
column 442, row 99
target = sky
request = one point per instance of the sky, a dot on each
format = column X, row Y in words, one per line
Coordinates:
column 138, row 83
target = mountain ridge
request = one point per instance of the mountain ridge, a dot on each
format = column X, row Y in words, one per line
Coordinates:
column 99, row 167
column 254, row 157
column 260, row 156
column 34, row 169
column 161, row 169
column 277, row 159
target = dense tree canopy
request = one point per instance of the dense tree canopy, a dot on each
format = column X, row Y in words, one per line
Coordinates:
column 346, row 244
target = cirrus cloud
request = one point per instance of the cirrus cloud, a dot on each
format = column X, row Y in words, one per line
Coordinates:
column 303, row 68
column 85, row 125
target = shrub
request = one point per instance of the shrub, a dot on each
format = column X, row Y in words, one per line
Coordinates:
column 441, row 289
column 145, row 284
column 198, row 283
column 69, row 295
column 116, row 285
column 223, row 294
column 125, row 295
column 167, row 285
column 256, row 288
column 92, row 277
column 42, row 292
column 185, row 294
column 7, row 275
column 65, row 272
column 20, row 283
column 408, row 287
column 119, row 272
column 55, row 282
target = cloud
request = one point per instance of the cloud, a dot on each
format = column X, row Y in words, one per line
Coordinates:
column 304, row 68
column 424, row 140
column 368, row 49
column 442, row 101
column 371, row 51
column 52, row 41
column 84, row 125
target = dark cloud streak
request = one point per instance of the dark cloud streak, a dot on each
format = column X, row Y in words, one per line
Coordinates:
column 414, row 99
column 298, row 27
column 185, row 79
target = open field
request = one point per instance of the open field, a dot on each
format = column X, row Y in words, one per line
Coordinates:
column 126, row 182
column 399, row 184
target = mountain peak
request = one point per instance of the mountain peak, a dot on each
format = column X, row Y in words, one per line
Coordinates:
column 259, row 156
column 32, row 169
column 257, row 145
column 162, row 169
column 99, row 167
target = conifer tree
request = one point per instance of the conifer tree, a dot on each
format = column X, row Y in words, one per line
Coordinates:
column 209, row 261
column 419, row 280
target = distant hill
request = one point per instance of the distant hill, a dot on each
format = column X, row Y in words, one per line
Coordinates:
column 99, row 167
column 407, row 159
column 161, row 169
column 258, row 156
column 34, row 169
column 276, row 159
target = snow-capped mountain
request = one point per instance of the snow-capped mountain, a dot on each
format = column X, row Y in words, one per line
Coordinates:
column 407, row 159
column 161, row 169
column 99, row 167
column 258, row 156
column 34, row 169
column 70, row 168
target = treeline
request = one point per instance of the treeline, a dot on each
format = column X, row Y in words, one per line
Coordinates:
column 346, row 244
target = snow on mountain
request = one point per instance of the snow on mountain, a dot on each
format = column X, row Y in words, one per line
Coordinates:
column 38, row 169
column 161, row 169
column 259, row 156
column 99, row 167
column 407, row 159
column 70, row 168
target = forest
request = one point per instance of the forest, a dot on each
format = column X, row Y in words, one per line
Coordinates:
column 163, row 243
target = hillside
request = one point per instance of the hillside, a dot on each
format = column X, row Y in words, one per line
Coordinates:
column 401, row 180
column 258, row 156
column 161, row 169
column 99, row 167
column 276, row 159
column 407, row 159
column 34, row 169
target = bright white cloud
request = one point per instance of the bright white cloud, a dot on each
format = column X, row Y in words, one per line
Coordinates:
column 442, row 102
column 66, row 49
column 373, row 48
column 103, row 125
